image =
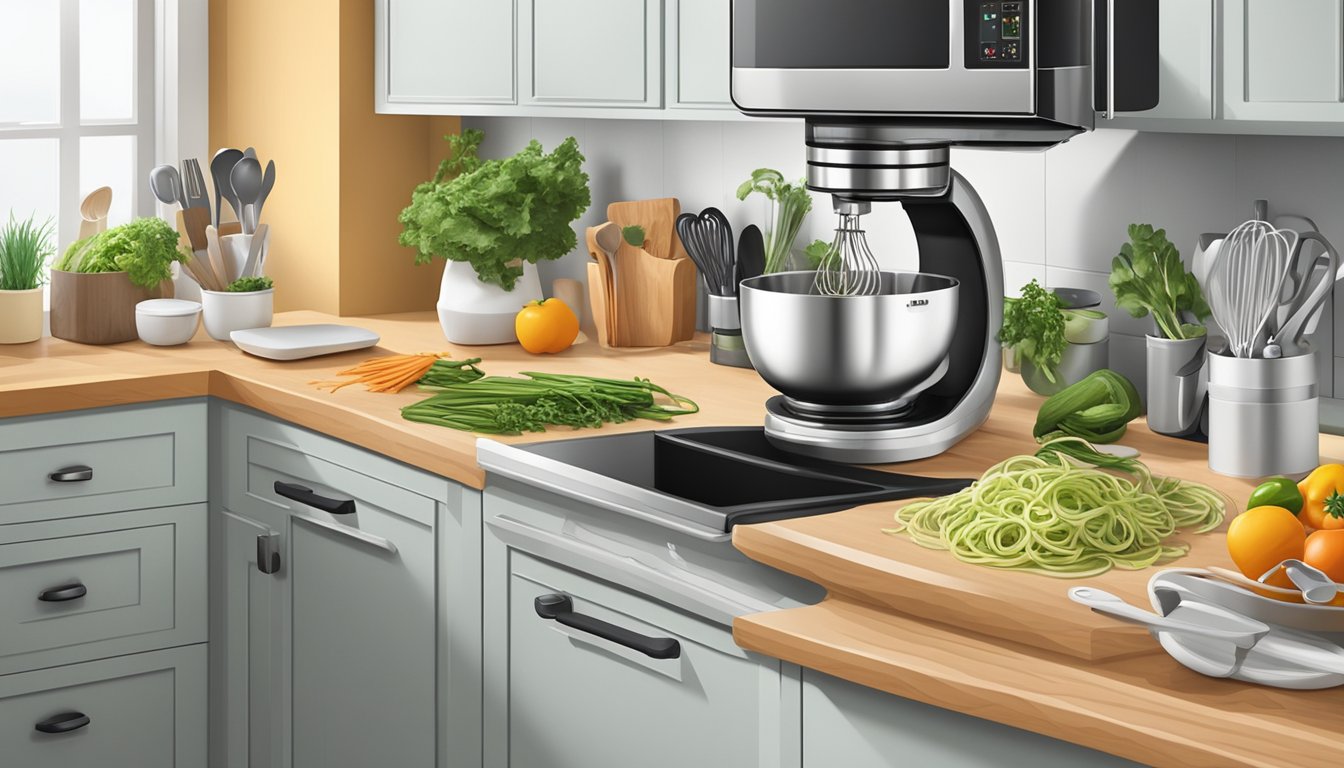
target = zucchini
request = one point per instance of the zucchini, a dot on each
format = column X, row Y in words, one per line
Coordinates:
column 1097, row 409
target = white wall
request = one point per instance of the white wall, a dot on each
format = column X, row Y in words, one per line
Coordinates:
column 1061, row 215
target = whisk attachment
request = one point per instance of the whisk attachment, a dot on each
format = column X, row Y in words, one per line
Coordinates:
column 849, row 267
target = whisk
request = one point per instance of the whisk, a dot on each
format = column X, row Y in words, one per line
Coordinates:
column 1246, row 281
column 849, row 267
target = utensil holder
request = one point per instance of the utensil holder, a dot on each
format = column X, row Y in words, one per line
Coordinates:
column 727, row 346
column 228, row 312
column 1077, row 362
column 1177, row 384
column 1264, row 416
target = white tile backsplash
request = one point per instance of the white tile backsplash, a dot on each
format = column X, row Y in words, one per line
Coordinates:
column 1060, row 215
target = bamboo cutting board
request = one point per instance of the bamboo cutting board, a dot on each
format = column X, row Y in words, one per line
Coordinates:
column 658, row 218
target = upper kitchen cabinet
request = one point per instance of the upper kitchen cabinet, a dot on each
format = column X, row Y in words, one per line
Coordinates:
column 444, row 52
column 699, row 51
column 1282, row 61
column 1185, row 74
column 591, row 53
column 554, row 58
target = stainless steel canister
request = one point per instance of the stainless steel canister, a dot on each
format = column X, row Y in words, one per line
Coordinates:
column 726, row 346
column 1264, row 416
column 1177, row 383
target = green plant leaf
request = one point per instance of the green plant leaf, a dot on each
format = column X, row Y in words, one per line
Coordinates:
column 634, row 235
column 1033, row 325
column 1149, row 278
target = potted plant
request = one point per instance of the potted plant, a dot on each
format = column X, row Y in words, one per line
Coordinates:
column 248, row 302
column 491, row 219
column 787, row 205
column 1054, row 338
column 97, row 283
column 25, row 247
column 1148, row 278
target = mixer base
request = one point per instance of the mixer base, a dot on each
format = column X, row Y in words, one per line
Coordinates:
column 924, row 429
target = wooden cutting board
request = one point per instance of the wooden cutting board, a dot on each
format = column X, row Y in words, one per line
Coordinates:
column 658, row 218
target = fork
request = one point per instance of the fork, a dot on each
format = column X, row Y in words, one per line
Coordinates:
column 194, row 183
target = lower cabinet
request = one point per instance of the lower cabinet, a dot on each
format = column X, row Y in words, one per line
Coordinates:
column 345, row 611
column 856, row 727
column 625, row 681
column 145, row 710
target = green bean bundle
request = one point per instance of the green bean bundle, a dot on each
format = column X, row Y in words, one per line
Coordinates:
column 1048, row 514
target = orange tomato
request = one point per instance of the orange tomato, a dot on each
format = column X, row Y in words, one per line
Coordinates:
column 547, row 326
column 1325, row 550
column 1261, row 538
column 1323, row 497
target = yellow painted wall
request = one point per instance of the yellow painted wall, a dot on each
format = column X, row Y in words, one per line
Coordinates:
column 294, row 78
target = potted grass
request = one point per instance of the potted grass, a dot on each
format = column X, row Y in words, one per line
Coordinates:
column 1149, row 279
column 492, row 220
column 25, row 247
column 98, row 281
column 248, row 302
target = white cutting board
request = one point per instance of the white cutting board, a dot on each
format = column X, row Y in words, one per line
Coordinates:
column 296, row 342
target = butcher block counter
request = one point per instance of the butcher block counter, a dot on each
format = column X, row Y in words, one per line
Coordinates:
column 1010, row 646
column 1005, row 646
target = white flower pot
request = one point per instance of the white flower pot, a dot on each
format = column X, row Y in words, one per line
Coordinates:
column 228, row 312
column 472, row 312
column 20, row 316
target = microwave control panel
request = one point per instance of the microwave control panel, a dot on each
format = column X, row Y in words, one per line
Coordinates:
column 996, row 34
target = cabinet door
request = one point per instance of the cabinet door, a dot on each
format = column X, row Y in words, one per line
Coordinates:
column 574, row 698
column 245, row 680
column 1282, row 61
column 361, row 641
column 857, row 727
column 1185, row 75
column 445, row 51
column 698, row 43
column 598, row 53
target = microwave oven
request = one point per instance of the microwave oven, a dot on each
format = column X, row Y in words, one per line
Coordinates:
column 991, row 72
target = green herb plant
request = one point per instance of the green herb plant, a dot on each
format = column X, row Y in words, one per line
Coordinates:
column 1033, row 325
column 498, row 214
column 1148, row 277
column 250, row 285
column 144, row 249
column 634, row 235
column 25, row 248
column 816, row 253
column 790, row 204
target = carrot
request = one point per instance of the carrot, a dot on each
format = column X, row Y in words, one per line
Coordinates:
column 384, row 374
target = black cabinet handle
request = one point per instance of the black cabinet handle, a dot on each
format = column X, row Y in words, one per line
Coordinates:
column 62, row 593
column 65, row 722
column 306, row 496
column 561, row 609
column 268, row 553
column 74, row 474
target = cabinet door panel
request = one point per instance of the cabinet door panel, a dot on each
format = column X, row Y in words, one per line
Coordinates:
column 603, row 53
column 1283, row 61
column 701, row 66
column 362, row 644
column 449, row 51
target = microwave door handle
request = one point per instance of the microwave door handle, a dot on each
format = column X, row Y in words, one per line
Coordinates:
column 1110, row 59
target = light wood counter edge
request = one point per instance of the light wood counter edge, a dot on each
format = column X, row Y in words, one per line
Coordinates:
column 1157, row 714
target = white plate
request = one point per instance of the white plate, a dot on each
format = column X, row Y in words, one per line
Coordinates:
column 295, row 342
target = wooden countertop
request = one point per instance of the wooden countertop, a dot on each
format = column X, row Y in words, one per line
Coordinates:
column 51, row 375
column 1011, row 647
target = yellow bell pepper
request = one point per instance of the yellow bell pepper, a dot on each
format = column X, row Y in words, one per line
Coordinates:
column 1323, row 497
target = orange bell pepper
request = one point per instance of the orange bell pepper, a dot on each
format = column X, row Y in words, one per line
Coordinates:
column 1323, row 497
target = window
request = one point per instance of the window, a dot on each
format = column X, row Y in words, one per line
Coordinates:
column 77, row 112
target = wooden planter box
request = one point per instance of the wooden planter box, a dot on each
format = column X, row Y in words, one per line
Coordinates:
column 95, row 308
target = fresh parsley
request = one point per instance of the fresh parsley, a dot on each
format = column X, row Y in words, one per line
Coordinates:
column 1148, row 277
column 1034, row 326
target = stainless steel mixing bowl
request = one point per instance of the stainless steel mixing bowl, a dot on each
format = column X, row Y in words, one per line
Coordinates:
column 848, row 352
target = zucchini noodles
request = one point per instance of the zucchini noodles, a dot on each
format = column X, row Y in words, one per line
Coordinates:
column 1051, row 515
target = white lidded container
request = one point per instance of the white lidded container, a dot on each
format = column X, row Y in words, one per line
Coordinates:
column 226, row 312
column 1264, row 416
column 166, row 322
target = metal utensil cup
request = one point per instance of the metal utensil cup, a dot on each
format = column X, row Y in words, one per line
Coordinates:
column 725, row 322
column 1177, row 383
column 1264, row 415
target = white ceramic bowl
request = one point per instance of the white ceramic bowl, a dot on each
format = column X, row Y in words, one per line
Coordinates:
column 228, row 312
column 167, row 322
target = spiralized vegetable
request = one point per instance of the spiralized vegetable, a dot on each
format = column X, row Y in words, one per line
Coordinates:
column 1049, row 514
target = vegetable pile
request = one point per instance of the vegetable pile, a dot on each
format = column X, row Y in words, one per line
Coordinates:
column 1292, row 521
column 144, row 249
column 385, row 374
column 505, row 405
column 1148, row 277
column 1051, row 515
column 496, row 214
column 1034, row 326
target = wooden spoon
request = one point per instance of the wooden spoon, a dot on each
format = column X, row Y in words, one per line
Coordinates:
column 603, row 241
column 93, row 212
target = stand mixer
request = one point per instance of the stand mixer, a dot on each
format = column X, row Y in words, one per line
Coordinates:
column 876, row 366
